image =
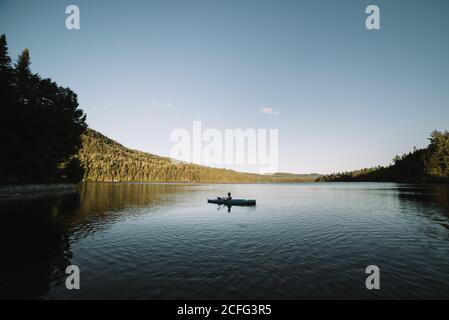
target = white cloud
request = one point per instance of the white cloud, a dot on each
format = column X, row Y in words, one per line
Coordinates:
column 162, row 105
column 269, row 110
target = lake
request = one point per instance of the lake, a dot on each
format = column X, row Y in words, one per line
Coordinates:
column 163, row 241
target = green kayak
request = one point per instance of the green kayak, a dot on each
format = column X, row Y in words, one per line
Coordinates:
column 233, row 202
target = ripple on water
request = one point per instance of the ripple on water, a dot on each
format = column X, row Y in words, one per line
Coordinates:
column 300, row 241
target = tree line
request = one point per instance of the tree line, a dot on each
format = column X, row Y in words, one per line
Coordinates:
column 104, row 159
column 430, row 164
column 46, row 139
column 40, row 125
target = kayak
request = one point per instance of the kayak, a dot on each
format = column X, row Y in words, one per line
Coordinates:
column 233, row 202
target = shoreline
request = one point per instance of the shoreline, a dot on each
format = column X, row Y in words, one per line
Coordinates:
column 18, row 190
column 8, row 191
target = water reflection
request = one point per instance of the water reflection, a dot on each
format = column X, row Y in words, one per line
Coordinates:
column 101, row 204
column 38, row 235
column 441, row 194
column 36, row 232
column 427, row 201
column 34, row 244
column 222, row 207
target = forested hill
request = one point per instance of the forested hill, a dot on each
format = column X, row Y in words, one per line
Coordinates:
column 104, row 159
column 429, row 164
column 46, row 139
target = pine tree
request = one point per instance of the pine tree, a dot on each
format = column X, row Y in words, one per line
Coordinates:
column 7, row 111
column 6, row 74
column 5, row 60
column 23, row 63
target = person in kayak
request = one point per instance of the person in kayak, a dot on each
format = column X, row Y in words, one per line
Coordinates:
column 225, row 198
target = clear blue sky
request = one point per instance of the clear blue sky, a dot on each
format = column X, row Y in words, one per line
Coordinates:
column 347, row 97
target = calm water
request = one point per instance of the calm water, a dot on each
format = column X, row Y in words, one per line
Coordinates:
column 164, row 241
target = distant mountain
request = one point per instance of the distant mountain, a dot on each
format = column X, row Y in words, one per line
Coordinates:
column 297, row 176
column 104, row 159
